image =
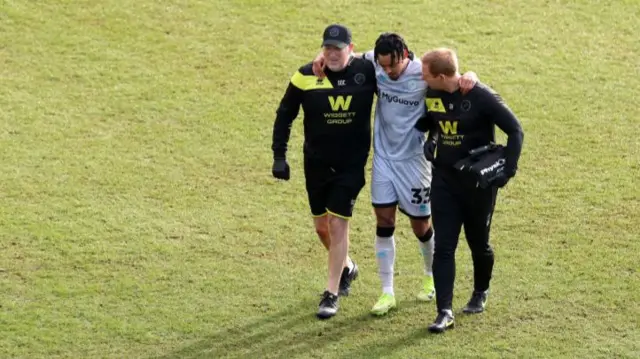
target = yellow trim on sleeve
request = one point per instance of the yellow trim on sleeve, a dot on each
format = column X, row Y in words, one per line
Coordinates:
column 310, row 82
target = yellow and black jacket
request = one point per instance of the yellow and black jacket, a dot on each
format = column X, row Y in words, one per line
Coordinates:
column 461, row 123
column 337, row 113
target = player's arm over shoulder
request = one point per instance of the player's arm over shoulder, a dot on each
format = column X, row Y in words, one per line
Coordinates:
column 368, row 55
column 361, row 61
column 365, row 67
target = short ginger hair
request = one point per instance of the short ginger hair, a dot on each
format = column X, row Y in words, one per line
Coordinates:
column 441, row 61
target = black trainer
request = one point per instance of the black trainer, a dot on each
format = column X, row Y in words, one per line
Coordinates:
column 328, row 305
column 477, row 302
column 346, row 278
column 443, row 321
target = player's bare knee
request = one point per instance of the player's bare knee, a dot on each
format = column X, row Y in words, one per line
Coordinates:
column 422, row 229
column 337, row 223
column 322, row 226
column 385, row 222
column 322, row 231
column 385, row 217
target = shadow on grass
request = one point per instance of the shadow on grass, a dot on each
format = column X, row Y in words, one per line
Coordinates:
column 295, row 331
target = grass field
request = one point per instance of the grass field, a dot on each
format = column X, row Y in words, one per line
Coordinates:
column 138, row 218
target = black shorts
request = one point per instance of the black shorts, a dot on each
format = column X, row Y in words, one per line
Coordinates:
column 332, row 190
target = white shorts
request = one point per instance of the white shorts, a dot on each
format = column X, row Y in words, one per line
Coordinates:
column 405, row 183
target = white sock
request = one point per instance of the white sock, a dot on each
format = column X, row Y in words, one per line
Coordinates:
column 386, row 256
column 426, row 248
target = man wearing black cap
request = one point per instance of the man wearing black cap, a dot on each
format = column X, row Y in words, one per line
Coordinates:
column 337, row 138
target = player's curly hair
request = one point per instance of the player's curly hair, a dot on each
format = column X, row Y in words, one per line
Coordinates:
column 389, row 43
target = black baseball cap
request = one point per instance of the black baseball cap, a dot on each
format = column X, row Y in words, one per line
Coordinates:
column 336, row 35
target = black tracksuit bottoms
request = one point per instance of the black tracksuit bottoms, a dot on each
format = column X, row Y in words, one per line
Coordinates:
column 457, row 202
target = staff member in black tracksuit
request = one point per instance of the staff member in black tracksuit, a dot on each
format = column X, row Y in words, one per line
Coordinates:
column 337, row 141
column 458, row 124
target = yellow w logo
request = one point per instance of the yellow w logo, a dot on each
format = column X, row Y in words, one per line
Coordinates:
column 340, row 103
column 449, row 127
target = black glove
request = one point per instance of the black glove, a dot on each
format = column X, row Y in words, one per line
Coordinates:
column 280, row 169
column 430, row 150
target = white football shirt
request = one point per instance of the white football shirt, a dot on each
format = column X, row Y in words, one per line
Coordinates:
column 399, row 105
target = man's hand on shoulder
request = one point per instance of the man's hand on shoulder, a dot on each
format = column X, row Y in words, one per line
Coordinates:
column 318, row 66
column 468, row 81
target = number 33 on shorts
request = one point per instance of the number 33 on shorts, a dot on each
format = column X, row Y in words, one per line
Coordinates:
column 420, row 195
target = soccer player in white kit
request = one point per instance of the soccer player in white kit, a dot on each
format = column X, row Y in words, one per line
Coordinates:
column 401, row 176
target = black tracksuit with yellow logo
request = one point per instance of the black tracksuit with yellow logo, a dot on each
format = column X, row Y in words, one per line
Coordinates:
column 337, row 132
column 462, row 123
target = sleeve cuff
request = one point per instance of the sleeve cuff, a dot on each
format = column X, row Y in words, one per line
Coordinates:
column 279, row 155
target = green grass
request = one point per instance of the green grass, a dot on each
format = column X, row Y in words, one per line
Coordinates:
column 138, row 218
